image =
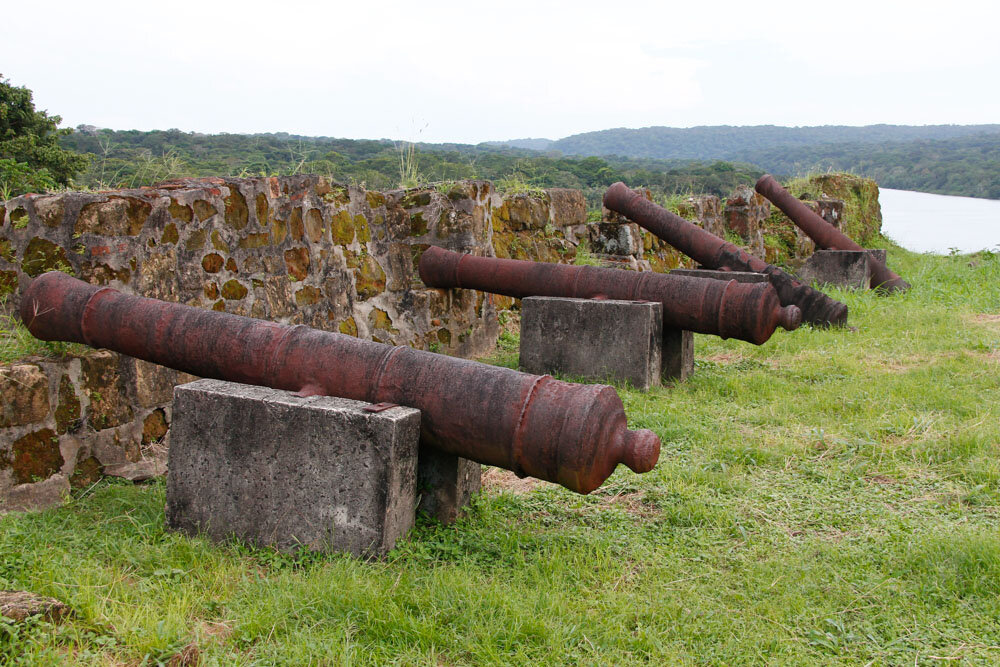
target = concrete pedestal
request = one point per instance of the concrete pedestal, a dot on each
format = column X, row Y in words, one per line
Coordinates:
column 445, row 483
column 843, row 268
column 602, row 340
column 272, row 468
column 738, row 276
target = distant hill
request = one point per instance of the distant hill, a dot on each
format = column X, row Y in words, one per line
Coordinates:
column 530, row 144
column 724, row 142
column 967, row 166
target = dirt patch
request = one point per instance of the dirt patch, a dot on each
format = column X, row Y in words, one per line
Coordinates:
column 986, row 318
column 498, row 480
column 881, row 479
column 725, row 358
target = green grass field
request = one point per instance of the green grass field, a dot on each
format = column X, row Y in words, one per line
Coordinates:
column 830, row 497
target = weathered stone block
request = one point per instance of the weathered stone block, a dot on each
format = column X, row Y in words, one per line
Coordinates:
column 566, row 207
column 738, row 276
column 843, row 268
column 705, row 211
column 616, row 238
column 24, row 395
column 678, row 354
column 597, row 340
column 445, row 483
column 274, row 468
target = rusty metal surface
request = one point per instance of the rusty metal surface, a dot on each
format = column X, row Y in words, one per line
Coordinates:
column 711, row 251
column 825, row 235
column 719, row 307
column 571, row 434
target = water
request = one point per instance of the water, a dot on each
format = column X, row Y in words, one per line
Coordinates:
column 940, row 223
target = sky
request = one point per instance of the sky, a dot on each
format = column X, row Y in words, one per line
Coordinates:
column 468, row 72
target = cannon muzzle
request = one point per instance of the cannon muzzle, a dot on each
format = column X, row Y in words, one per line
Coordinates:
column 824, row 234
column 571, row 434
column 709, row 250
column 722, row 308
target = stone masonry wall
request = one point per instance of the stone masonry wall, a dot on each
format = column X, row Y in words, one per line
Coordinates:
column 297, row 250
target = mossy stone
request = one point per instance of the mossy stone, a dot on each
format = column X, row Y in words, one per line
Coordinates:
column 255, row 241
column 308, row 296
column 342, row 228
column 86, row 472
column 234, row 290
column 280, row 231
column 119, row 216
column 263, row 208
column 338, row 194
column 154, row 426
column 297, row 262
column 237, row 213
column 369, row 278
column 211, row 291
column 375, row 199
column 295, row 227
column 314, row 225
column 204, row 209
column 418, row 226
column 217, row 241
column 349, row 327
column 212, row 262
column 414, row 199
column 180, row 211
column 196, row 239
column 35, row 456
column 43, row 255
column 381, row 321
column 19, row 217
column 170, row 233
column 68, row 411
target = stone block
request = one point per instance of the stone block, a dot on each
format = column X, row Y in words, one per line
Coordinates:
column 445, row 483
column 843, row 268
column 738, row 276
column 273, row 468
column 677, row 354
column 24, row 395
column 597, row 340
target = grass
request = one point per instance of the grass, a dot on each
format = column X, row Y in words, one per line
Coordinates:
column 17, row 343
column 830, row 497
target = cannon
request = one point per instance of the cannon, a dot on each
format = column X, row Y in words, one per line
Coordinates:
column 824, row 234
column 571, row 434
column 711, row 251
column 723, row 308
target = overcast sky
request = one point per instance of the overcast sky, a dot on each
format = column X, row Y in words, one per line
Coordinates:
column 479, row 71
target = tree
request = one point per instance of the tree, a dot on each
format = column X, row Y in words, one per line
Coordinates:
column 30, row 156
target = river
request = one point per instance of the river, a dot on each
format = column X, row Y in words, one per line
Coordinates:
column 940, row 223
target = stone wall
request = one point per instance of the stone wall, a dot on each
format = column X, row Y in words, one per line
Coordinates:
column 64, row 423
column 296, row 250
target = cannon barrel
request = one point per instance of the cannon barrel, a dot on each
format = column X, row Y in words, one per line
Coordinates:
column 571, row 434
column 711, row 251
column 824, row 234
column 723, row 308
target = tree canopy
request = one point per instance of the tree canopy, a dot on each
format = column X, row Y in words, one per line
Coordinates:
column 31, row 158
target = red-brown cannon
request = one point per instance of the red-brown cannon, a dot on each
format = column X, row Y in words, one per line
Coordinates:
column 824, row 234
column 723, row 308
column 571, row 434
column 709, row 250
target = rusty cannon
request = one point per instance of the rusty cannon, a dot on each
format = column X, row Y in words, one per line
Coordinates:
column 723, row 308
column 711, row 251
column 825, row 235
column 571, row 434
